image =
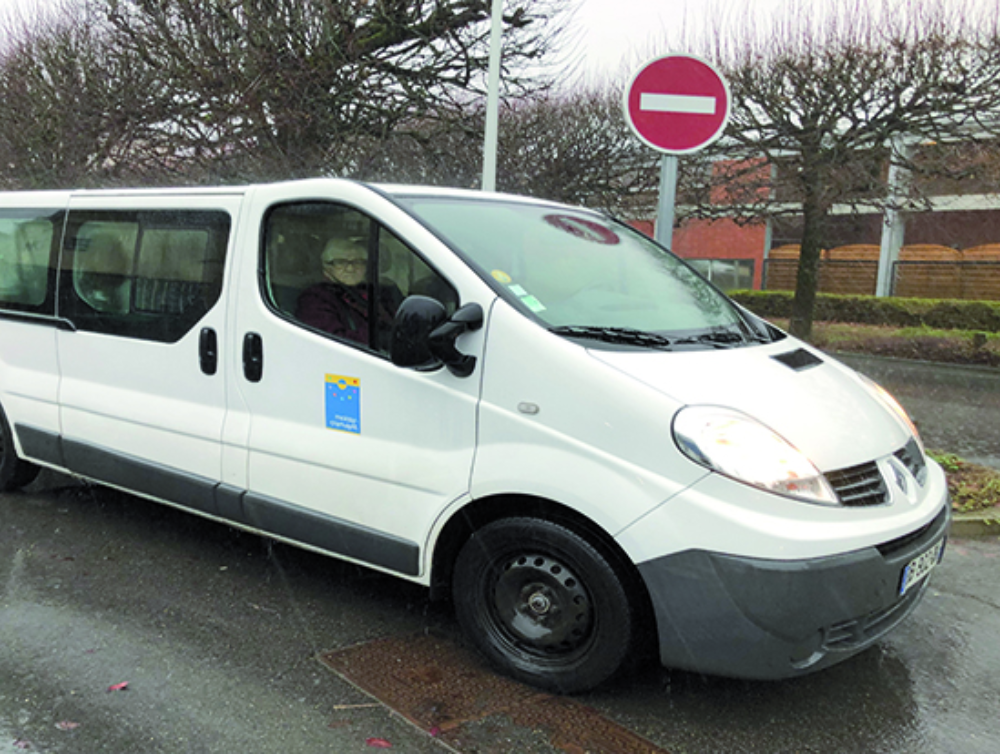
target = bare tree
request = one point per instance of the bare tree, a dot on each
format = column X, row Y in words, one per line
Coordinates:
column 70, row 114
column 826, row 95
column 107, row 91
column 574, row 148
column 285, row 88
column 577, row 149
column 444, row 149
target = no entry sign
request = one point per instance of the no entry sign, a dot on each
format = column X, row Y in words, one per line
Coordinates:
column 677, row 104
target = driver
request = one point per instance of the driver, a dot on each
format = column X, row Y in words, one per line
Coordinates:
column 339, row 305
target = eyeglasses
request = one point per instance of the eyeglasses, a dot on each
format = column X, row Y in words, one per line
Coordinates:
column 343, row 264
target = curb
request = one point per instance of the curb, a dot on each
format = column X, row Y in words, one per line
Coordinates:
column 918, row 362
column 976, row 525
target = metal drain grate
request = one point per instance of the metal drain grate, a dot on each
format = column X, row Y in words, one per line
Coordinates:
column 446, row 689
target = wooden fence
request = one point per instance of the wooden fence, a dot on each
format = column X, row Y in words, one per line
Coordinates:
column 923, row 271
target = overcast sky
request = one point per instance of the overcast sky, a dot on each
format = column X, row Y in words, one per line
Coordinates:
column 608, row 32
column 613, row 37
column 616, row 36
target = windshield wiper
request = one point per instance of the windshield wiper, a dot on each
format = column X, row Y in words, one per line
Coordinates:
column 622, row 335
column 717, row 337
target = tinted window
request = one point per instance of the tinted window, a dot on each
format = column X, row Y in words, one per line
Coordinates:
column 26, row 253
column 336, row 271
column 148, row 275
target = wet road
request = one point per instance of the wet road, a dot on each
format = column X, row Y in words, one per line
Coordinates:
column 956, row 408
column 217, row 634
column 933, row 686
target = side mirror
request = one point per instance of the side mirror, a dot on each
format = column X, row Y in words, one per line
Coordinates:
column 423, row 335
column 415, row 319
column 442, row 339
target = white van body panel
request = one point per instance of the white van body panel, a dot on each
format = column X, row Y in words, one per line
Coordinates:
column 180, row 428
column 585, row 411
column 825, row 410
column 144, row 399
column 722, row 515
column 596, row 445
column 29, row 372
column 413, row 454
column 29, row 375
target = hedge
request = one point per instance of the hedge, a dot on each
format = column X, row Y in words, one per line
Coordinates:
column 942, row 314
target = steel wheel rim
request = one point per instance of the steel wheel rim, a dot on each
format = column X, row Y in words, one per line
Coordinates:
column 541, row 606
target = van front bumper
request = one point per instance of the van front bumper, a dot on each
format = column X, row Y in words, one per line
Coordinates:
column 767, row 619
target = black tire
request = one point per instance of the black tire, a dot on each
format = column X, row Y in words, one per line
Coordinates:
column 543, row 604
column 14, row 472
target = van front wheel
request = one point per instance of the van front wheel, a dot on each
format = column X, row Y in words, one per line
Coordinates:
column 14, row 472
column 543, row 604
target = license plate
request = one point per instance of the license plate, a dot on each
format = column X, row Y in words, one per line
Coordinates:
column 918, row 568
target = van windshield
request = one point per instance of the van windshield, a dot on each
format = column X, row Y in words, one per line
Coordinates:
column 584, row 275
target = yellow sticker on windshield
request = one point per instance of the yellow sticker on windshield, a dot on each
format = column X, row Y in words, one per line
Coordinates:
column 501, row 277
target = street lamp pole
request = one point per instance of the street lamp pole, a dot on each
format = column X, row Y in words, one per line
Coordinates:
column 493, row 102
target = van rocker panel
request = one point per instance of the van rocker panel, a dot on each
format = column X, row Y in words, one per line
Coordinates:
column 40, row 445
column 331, row 534
column 767, row 619
column 137, row 475
column 198, row 494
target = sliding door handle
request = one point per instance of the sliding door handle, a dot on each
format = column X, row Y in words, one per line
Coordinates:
column 208, row 350
column 253, row 357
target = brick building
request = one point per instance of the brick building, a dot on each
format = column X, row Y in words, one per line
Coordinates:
column 951, row 251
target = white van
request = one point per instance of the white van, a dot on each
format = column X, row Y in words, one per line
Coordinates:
column 527, row 406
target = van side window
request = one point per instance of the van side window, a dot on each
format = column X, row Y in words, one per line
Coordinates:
column 149, row 275
column 26, row 254
column 337, row 271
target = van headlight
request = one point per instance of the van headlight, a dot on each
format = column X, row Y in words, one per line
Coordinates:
column 895, row 408
column 740, row 447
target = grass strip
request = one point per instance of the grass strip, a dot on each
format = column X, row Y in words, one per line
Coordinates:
column 972, row 487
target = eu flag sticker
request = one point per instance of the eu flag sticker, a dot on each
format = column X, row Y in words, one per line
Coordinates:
column 343, row 403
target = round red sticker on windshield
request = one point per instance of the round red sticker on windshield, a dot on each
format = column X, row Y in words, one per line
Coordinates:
column 585, row 229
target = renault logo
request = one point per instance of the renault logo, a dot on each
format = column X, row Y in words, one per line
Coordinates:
column 900, row 479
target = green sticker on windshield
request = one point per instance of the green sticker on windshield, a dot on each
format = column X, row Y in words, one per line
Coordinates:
column 532, row 303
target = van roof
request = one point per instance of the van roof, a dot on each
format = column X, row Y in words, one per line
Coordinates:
column 394, row 189
column 29, row 199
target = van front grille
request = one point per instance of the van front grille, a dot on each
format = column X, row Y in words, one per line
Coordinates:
column 859, row 485
column 911, row 457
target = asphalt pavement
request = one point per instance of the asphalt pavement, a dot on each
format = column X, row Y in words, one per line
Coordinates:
column 127, row 626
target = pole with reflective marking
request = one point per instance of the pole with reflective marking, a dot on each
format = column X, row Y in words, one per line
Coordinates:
column 668, row 198
column 492, row 102
column 893, row 219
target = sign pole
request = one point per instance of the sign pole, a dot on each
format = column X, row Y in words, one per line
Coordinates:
column 667, row 200
column 676, row 104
